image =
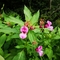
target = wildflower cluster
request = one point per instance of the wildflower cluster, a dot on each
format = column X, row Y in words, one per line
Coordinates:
column 27, row 25
column 35, row 42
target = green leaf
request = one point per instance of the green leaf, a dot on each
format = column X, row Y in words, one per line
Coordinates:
column 37, row 30
column 10, row 57
column 1, row 26
column 20, row 46
column 10, row 37
column 6, row 55
column 15, row 20
column 46, row 30
column 56, row 37
column 4, row 15
column 15, row 36
column 37, row 58
column 35, row 18
column 27, row 13
column 1, row 52
column 1, row 58
column 20, row 56
column 2, row 40
column 8, row 30
column 59, row 31
column 49, row 53
column 47, row 42
column 31, row 36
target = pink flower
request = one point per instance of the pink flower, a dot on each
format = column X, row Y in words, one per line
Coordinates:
column 24, row 29
column 22, row 35
column 49, row 23
column 41, row 53
column 50, row 28
column 39, row 50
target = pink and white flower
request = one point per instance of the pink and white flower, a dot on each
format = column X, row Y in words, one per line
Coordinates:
column 40, row 53
column 39, row 50
column 22, row 35
column 50, row 28
column 24, row 29
column 48, row 25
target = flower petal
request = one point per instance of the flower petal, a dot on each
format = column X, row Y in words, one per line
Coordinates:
column 49, row 22
column 39, row 49
column 22, row 35
column 24, row 29
column 50, row 28
column 41, row 53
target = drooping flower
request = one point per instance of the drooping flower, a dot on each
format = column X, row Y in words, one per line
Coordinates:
column 22, row 35
column 24, row 29
column 39, row 50
column 48, row 25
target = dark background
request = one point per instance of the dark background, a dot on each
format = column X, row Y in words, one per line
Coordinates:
column 49, row 8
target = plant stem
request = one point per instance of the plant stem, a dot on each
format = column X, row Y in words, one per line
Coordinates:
column 41, row 58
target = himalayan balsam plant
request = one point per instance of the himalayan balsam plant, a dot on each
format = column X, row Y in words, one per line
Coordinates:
column 27, row 40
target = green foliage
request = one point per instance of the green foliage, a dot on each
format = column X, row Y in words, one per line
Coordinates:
column 12, row 47
column 1, row 52
column 28, row 14
column 20, row 56
column 49, row 53
column 35, row 18
column 13, row 20
column 31, row 36
column 1, row 58
column 8, row 30
column 2, row 40
column 18, row 21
